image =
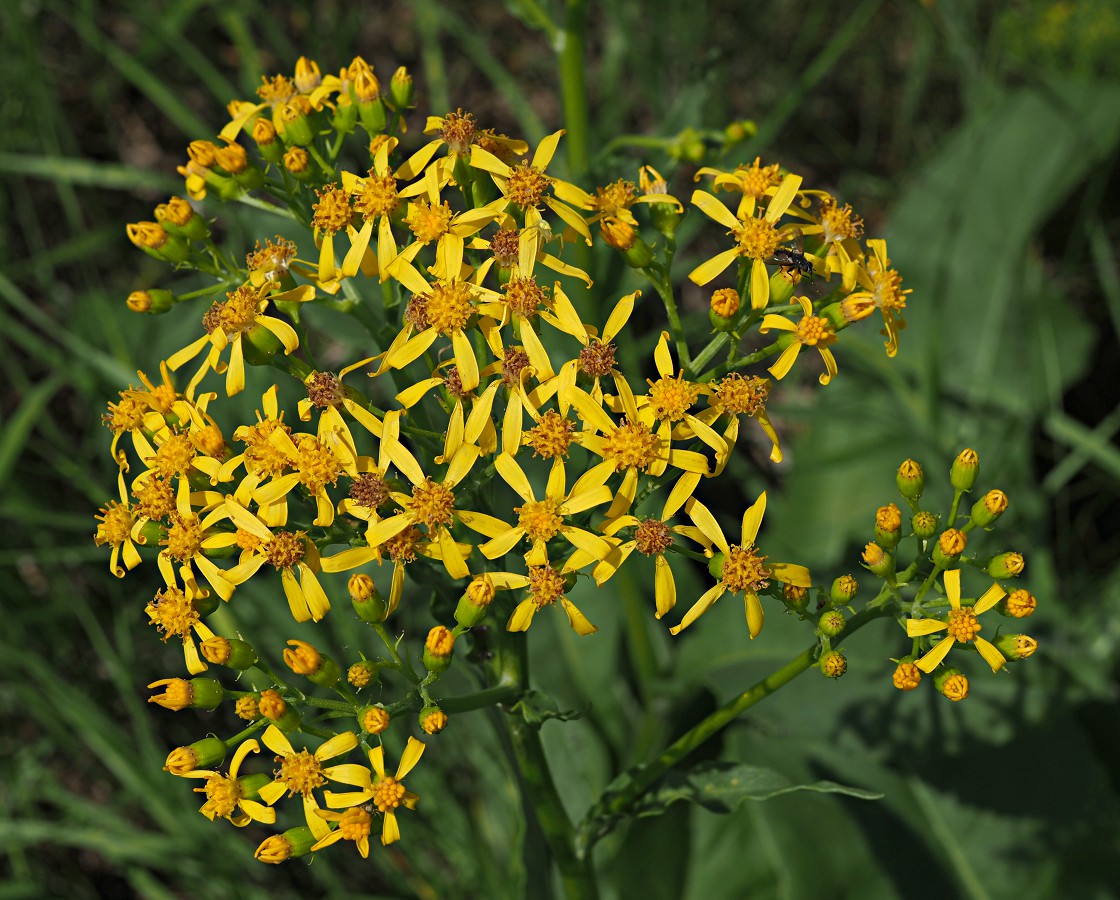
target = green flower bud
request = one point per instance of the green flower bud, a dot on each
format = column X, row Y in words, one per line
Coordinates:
column 831, row 623
column 178, row 693
column 373, row 116
column 438, row 649
column 432, row 719
column 910, row 480
column 294, row 124
column 950, row 682
column 303, row 659
column 924, row 524
column 1015, row 646
column 204, row 754
column 401, row 89
column 989, row 508
column 229, row 652
column 1006, row 565
column 949, row 547
column 888, row 525
column 345, row 118
column 965, row 468
column 292, row 843
column 1019, row 604
column 373, row 719
column 366, row 599
column 781, row 288
column 843, row 590
column 878, row 561
column 250, row 179
column 665, row 218
column 154, row 302
column 795, row 597
column 833, row 664
column 268, row 143
column 476, row 599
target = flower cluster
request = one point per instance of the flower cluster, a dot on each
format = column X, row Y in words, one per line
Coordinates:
column 489, row 434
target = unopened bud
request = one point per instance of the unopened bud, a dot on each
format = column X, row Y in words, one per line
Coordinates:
column 965, row 468
column 989, row 508
column 273, row 708
column 366, row 599
column 204, row 754
column 292, row 843
column 438, row 648
column 911, row 480
column 952, row 684
column 907, row 676
column 476, row 599
column 298, row 163
column 833, row 664
column 924, row 524
column 229, row 652
column 178, row 693
column 1015, row 646
column 878, row 561
column 949, row 547
column 1006, row 565
column 1018, row 604
column 831, row 623
column 154, row 301
column 304, row 659
column 843, row 590
column 432, row 720
column 401, row 89
column 795, row 596
column 888, row 525
column 362, row 673
column 373, row 719
column 178, row 217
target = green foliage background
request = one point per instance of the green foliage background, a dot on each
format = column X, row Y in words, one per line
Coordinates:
column 980, row 137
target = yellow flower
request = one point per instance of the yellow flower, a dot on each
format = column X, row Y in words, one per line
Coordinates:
column 540, row 521
column 228, row 797
column 960, row 624
column 882, row 286
column 735, row 396
column 302, row 772
column 227, row 323
column 653, row 537
column 744, row 570
column 175, row 612
column 811, row 331
column 386, row 792
column 756, row 237
column 597, row 358
column 115, row 521
column 527, row 186
column 477, row 428
column 616, row 200
column 458, row 132
column 547, row 586
column 289, row 551
column 753, row 181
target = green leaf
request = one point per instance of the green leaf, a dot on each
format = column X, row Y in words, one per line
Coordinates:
column 536, row 708
column 722, row 786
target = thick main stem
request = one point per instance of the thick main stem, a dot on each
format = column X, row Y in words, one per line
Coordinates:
column 573, row 86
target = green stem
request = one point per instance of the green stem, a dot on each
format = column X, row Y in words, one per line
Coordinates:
column 646, row 776
column 660, row 280
column 576, row 873
column 493, row 696
column 706, row 355
column 267, row 207
column 571, row 44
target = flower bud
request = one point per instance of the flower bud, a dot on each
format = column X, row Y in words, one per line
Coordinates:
column 153, row 239
column 178, row 217
column 438, row 648
column 1005, row 565
column 990, row 507
column 877, row 561
column 264, row 133
column 362, row 673
column 303, row 659
column 294, row 125
column 154, row 302
column 924, row 524
column 795, row 596
column 204, row 754
column 1015, row 646
column 910, row 480
column 248, row 707
column 951, row 683
column 298, row 163
column 198, row 693
column 292, row 843
column 781, row 286
column 345, row 117
column 831, row 623
column 907, row 676
column 432, row 720
column 888, row 525
column 476, row 599
column 229, row 652
column 373, row 719
column 965, row 468
column 1018, row 604
column 843, row 590
column 276, row 710
column 949, row 547
column 833, row 664
column 401, row 89
column 366, row 599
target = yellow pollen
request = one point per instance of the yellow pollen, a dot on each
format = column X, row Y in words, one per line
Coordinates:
column 952, row 542
column 285, row 549
column 527, row 185
column 758, row 239
column 126, row 415
column 301, row 772
column 887, row 288
column 632, row 445
column 546, row 585
column 597, row 359
column 523, row 296
column 432, row 504
column 234, row 315
column 332, row 212
column 448, row 306
column 376, row 196
column 755, row 179
column 429, row 222
column 354, row 824
column 272, row 705
column 539, row 520
column 388, row 794
column 116, row 520
column 222, row 795
column 614, row 198
column 1020, row 603
column 671, row 398
column 962, row 624
column 839, row 222
column 155, row 498
column 725, row 302
column 317, row 465
column 551, row 436
column 907, row 676
column 172, row 613
column 458, row 131
column 955, row 688
column 184, row 537
column 276, row 90
column 375, row 720
column 741, row 396
column 813, row 330
column 262, row 457
column 743, row 570
column 174, row 456
column 247, row 708
column 402, row 547
column 652, row 537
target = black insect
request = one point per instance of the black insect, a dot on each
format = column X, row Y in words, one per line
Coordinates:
column 788, row 258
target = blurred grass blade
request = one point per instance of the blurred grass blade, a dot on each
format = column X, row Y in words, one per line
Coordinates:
column 18, row 427
column 72, row 170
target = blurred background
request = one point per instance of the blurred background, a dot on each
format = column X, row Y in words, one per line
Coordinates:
column 979, row 137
